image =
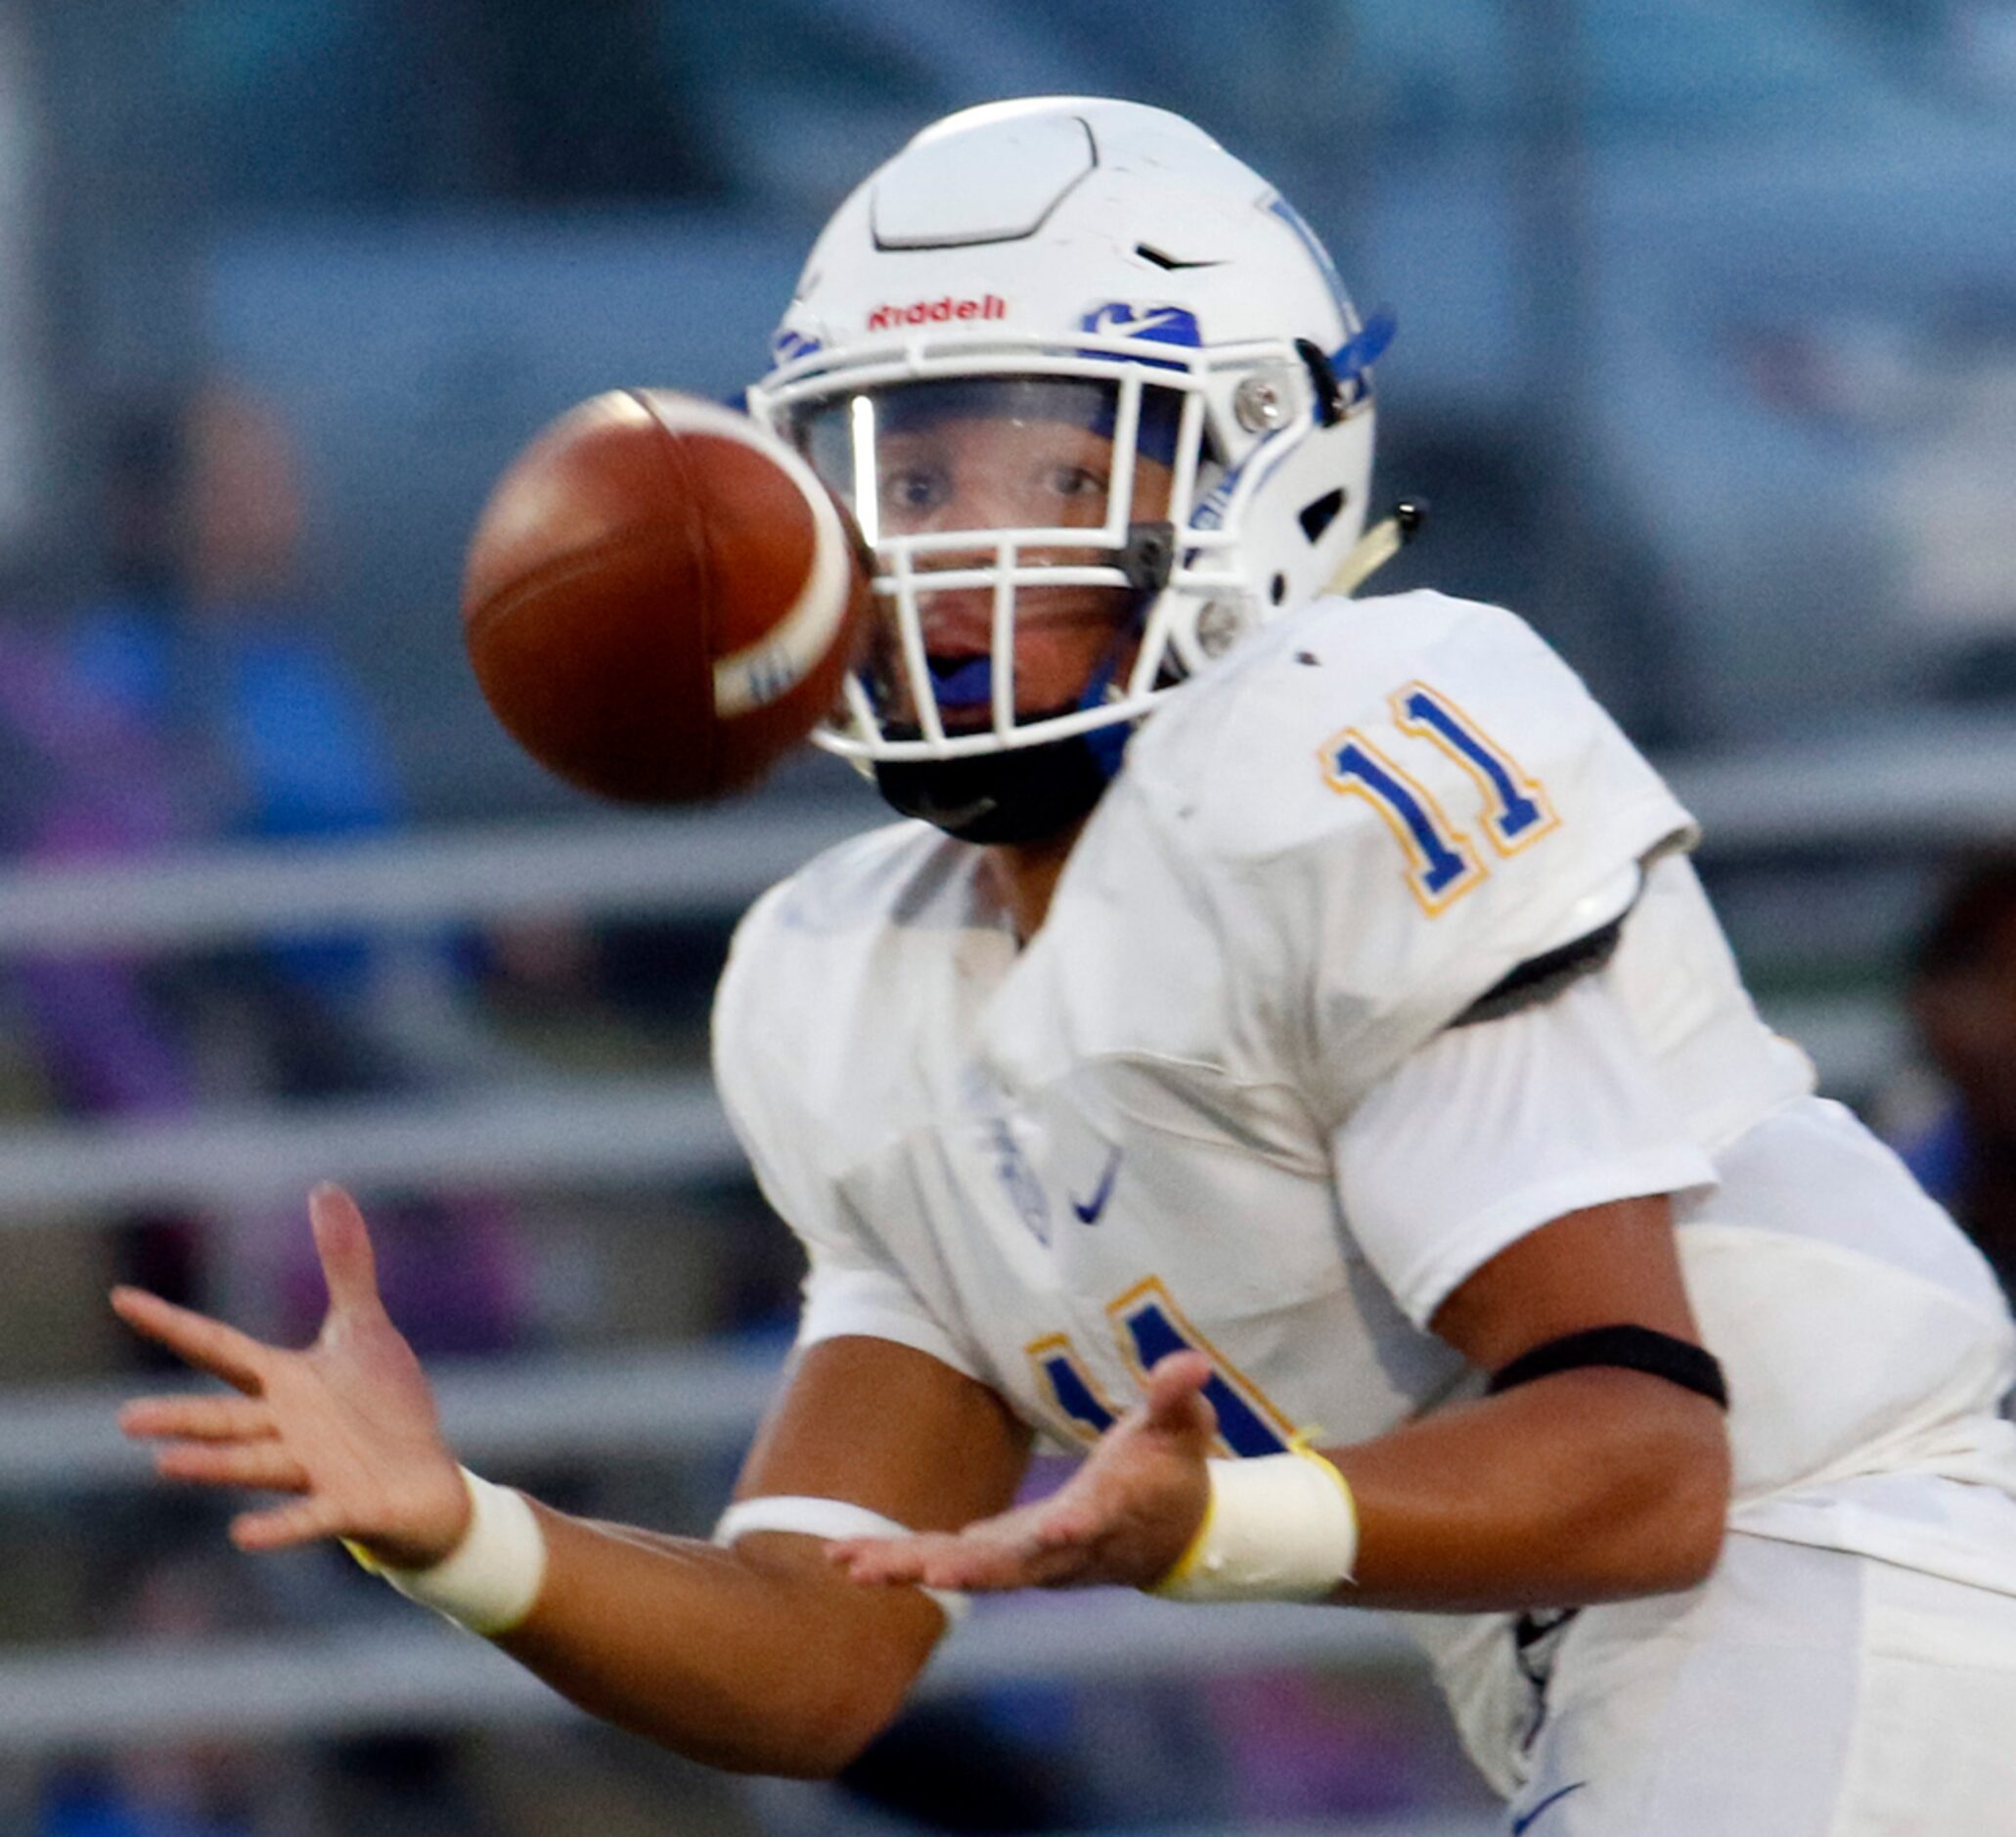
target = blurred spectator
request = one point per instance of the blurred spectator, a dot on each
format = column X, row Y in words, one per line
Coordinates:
column 177, row 707
column 1962, row 999
column 192, row 701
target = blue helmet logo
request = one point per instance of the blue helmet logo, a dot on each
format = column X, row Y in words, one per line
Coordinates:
column 1165, row 325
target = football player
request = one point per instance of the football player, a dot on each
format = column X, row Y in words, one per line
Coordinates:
column 1287, row 1055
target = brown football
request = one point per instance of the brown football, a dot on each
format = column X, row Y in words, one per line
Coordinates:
column 661, row 598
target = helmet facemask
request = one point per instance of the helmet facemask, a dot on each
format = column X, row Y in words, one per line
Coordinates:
column 1023, row 529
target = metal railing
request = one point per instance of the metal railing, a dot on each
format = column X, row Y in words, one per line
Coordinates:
column 1914, row 790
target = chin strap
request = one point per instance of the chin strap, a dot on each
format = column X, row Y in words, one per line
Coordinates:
column 1022, row 795
column 1025, row 793
column 1377, row 546
column 1018, row 797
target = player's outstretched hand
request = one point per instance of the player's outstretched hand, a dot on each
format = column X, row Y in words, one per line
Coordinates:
column 1122, row 1519
column 346, row 1426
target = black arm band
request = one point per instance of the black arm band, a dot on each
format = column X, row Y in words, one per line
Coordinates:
column 1635, row 1348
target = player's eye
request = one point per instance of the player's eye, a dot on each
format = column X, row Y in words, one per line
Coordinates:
column 913, row 490
column 1072, row 494
column 1076, row 481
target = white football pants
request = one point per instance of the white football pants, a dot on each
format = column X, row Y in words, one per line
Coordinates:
column 1799, row 1692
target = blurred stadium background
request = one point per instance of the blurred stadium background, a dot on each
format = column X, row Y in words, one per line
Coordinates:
column 1707, row 363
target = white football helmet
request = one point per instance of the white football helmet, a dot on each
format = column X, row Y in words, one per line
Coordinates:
column 1100, row 269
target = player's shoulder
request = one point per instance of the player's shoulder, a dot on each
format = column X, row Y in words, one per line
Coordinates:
column 854, row 889
column 860, row 880
column 1373, row 696
column 837, row 980
column 1393, row 806
column 820, row 929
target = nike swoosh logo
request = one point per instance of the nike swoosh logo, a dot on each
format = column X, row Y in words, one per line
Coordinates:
column 1088, row 1210
column 1554, row 1798
column 1124, row 324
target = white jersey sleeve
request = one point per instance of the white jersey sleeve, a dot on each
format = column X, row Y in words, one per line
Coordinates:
column 852, row 1283
column 1388, row 807
column 1491, row 1131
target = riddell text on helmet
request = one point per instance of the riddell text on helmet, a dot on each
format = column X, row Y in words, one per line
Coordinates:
column 925, row 312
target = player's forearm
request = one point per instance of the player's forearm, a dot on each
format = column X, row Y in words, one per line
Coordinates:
column 1595, row 1485
column 730, row 1659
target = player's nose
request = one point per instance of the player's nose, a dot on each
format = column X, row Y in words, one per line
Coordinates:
column 981, row 500
column 957, row 619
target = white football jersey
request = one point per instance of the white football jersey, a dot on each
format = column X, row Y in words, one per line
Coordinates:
column 1217, row 1099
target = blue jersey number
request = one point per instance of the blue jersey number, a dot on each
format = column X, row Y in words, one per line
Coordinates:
column 1442, row 866
column 1245, row 1429
column 1150, row 1326
column 1515, row 807
column 1069, row 1387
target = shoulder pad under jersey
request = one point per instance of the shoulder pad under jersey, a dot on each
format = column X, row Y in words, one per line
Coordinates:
column 817, row 974
column 1401, row 801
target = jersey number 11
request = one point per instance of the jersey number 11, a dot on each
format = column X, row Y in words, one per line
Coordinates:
column 1442, row 863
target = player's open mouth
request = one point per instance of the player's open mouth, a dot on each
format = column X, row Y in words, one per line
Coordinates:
column 963, row 682
column 962, row 689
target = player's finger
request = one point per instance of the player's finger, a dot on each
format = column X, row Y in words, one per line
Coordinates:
column 282, row 1527
column 344, row 1245
column 937, row 1560
column 266, row 1466
column 1176, row 1388
column 879, row 1559
column 1069, row 1526
column 966, row 1564
column 945, row 1561
column 208, row 1345
column 198, row 1419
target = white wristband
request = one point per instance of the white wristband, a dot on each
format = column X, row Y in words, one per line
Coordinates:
column 827, row 1518
column 489, row 1581
column 1277, row 1528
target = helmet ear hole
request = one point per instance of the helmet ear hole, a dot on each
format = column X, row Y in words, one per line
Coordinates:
column 1320, row 513
column 1277, row 589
